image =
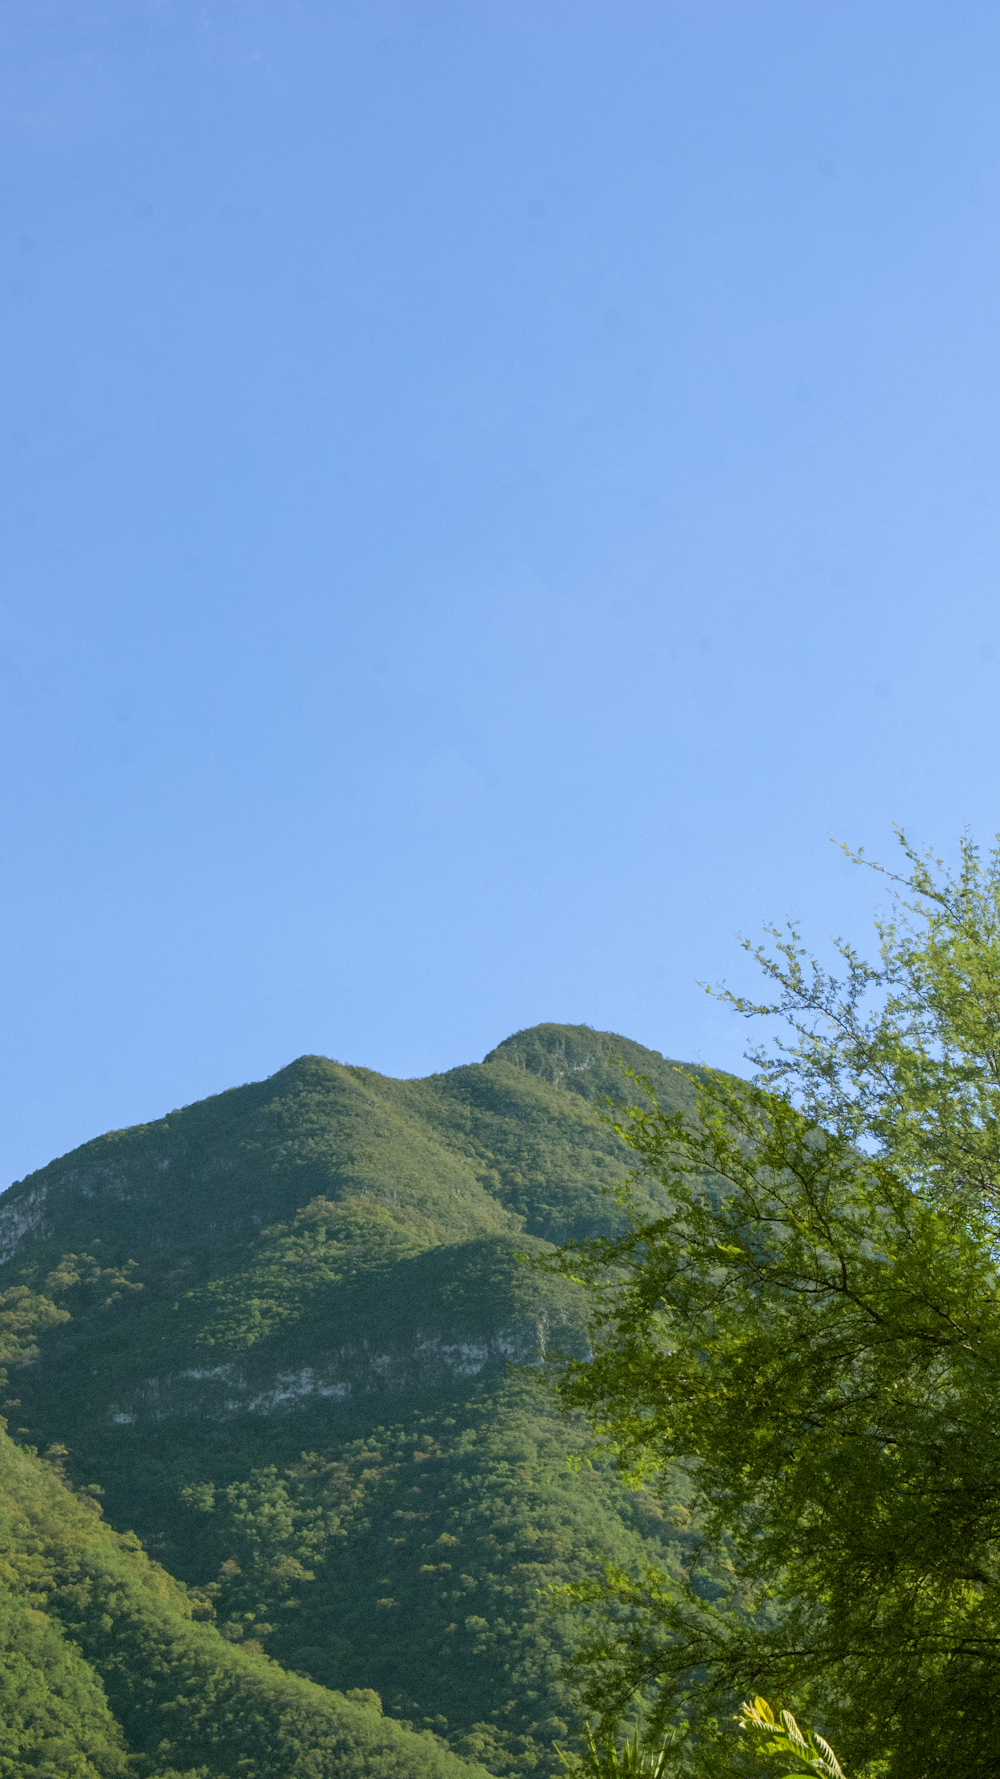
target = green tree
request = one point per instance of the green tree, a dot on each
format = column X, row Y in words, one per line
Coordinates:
column 810, row 1336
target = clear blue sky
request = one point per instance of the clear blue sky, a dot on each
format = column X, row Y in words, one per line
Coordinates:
column 488, row 486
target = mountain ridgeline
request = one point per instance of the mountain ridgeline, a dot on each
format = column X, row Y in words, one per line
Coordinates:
column 271, row 1334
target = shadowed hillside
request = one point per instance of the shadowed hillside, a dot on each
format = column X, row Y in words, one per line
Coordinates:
column 104, row 1670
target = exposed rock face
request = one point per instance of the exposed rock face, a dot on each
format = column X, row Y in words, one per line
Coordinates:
column 21, row 1216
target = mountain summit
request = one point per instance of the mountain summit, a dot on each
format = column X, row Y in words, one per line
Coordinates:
column 278, row 1337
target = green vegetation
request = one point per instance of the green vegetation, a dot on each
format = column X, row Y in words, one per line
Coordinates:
column 275, row 1330
column 779, row 1738
column 104, row 1670
column 810, row 1331
column 272, row 1334
column 418, row 1560
column 790, row 1752
column 636, row 1759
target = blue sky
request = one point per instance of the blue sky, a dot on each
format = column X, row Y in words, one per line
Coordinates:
column 488, row 487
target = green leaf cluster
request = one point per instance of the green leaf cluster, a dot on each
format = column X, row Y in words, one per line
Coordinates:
column 779, row 1737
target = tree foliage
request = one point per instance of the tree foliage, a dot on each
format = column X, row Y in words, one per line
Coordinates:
column 811, row 1333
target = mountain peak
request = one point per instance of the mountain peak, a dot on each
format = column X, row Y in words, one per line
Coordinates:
column 576, row 1057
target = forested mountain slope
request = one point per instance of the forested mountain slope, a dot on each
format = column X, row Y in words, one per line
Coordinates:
column 104, row 1670
column 275, row 1329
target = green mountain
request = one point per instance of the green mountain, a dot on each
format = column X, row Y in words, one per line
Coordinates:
column 104, row 1670
column 274, row 1331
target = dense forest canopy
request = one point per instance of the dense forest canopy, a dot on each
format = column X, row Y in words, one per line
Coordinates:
column 106, row 1668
